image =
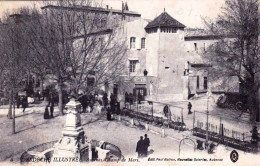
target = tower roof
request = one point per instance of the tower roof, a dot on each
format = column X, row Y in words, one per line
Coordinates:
column 165, row 20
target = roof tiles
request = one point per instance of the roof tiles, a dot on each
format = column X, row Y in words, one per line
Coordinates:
column 165, row 20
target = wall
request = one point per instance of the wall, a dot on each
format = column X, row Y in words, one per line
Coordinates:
column 171, row 63
column 136, row 29
column 164, row 58
column 152, row 53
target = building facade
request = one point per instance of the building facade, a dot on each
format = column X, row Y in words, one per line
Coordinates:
column 164, row 60
column 163, row 56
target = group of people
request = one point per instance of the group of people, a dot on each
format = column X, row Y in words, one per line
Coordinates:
column 91, row 102
column 88, row 102
column 142, row 146
column 113, row 107
column 130, row 98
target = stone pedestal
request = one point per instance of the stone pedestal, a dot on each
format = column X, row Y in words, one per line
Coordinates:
column 72, row 144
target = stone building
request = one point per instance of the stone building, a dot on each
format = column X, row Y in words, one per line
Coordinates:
column 163, row 56
column 170, row 53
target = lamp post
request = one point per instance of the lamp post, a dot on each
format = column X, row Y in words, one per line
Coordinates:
column 207, row 124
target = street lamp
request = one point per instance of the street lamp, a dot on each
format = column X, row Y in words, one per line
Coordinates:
column 207, row 124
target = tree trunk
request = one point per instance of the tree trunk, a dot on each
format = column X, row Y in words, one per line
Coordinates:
column 41, row 85
column 35, row 83
column 258, row 106
column 60, row 99
column 253, row 104
column 9, row 115
column 13, row 115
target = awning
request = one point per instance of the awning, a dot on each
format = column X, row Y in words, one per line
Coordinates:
column 140, row 85
column 133, row 59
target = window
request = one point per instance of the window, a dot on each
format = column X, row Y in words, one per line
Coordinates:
column 168, row 30
column 195, row 47
column 143, row 42
column 132, row 65
column 152, row 30
column 132, row 42
column 198, row 82
column 205, row 83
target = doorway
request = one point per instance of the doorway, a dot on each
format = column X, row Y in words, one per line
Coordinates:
column 140, row 89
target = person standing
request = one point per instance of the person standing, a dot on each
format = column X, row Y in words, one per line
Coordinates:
column 146, row 145
column 91, row 101
column 46, row 113
column 131, row 99
column 145, row 72
column 139, row 98
column 108, row 113
column 51, row 111
column 24, row 102
column 166, row 110
column 84, row 102
column 105, row 99
column 140, row 147
column 18, row 100
column 51, row 103
column 112, row 103
column 126, row 98
column 189, row 108
column 254, row 138
column 118, row 110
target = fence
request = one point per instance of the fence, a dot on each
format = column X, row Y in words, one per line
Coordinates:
column 159, row 113
column 233, row 133
column 239, row 130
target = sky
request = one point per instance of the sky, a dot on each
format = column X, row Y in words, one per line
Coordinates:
column 188, row 12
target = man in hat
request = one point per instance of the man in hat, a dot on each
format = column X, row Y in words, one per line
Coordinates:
column 146, row 145
column 140, row 147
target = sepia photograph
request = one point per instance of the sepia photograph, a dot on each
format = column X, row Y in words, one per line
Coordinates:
column 130, row 82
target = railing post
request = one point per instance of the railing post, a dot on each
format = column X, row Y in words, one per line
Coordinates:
column 219, row 125
column 89, row 152
column 152, row 110
column 182, row 116
column 132, row 122
column 163, row 132
column 146, row 126
column 193, row 122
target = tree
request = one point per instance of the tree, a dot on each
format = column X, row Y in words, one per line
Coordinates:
column 13, row 60
column 72, row 43
column 236, row 52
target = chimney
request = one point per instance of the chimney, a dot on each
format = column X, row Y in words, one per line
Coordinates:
column 107, row 7
column 126, row 7
column 123, row 6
